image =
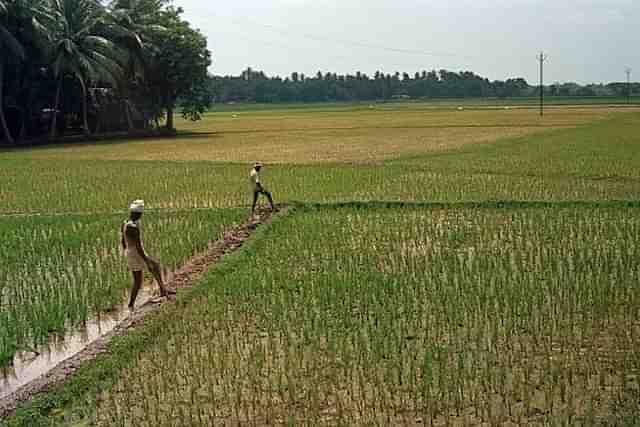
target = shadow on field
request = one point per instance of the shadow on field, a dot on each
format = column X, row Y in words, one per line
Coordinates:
column 110, row 139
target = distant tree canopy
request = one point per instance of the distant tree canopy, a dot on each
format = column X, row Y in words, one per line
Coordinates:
column 255, row 86
column 86, row 66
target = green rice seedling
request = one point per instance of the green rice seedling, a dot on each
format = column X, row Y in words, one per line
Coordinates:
column 389, row 316
column 61, row 270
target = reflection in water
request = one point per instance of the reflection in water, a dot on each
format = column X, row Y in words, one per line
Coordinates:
column 28, row 366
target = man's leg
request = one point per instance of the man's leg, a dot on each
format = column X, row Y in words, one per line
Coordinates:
column 268, row 194
column 137, row 284
column 255, row 200
column 154, row 269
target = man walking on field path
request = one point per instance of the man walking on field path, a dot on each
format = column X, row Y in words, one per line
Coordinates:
column 257, row 187
column 137, row 258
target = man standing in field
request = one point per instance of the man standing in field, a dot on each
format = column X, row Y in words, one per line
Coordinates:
column 137, row 258
column 257, row 187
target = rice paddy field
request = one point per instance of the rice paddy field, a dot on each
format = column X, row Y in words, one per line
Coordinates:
column 404, row 316
column 61, row 270
column 437, row 266
column 425, row 155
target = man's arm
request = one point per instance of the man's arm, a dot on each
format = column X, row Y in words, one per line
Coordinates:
column 134, row 234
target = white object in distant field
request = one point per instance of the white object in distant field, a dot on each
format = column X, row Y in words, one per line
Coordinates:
column 460, row 108
column 370, row 106
column 507, row 108
column 234, row 116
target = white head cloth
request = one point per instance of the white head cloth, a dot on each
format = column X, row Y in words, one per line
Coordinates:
column 137, row 206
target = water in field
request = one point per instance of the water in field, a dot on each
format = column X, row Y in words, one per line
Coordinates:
column 28, row 365
column 52, row 288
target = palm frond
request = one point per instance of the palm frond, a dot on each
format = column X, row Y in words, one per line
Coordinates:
column 9, row 42
column 110, row 66
column 107, row 48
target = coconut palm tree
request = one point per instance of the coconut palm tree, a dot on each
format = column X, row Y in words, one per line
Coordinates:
column 82, row 50
column 136, row 25
column 10, row 44
column 30, row 21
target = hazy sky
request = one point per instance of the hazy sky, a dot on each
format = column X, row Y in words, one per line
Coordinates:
column 586, row 40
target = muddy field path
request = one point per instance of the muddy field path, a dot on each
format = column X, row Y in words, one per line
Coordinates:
column 71, row 359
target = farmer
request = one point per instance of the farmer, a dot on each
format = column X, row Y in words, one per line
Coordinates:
column 257, row 187
column 137, row 258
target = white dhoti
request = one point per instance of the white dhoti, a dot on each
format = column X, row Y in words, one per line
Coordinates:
column 134, row 261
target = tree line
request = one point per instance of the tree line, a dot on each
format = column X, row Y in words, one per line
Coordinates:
column 255, row 86
column 87, row 66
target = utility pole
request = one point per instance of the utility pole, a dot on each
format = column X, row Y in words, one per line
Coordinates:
column 628, row 71
column 542, row 57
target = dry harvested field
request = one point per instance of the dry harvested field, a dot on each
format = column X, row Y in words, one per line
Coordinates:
column 592, row 156
column 361, row 136
column 434, row 266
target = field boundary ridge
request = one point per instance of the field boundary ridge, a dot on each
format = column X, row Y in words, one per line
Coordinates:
column 104, row 358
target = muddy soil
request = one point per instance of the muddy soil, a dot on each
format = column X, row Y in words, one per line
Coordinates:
column 54, row 371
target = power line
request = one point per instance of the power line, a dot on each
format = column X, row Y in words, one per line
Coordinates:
column 542, row 58
column 285, row 45
column 367, row 45
column 280, row 45
column 352, row 43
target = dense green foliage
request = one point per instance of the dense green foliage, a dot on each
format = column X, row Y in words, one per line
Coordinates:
column 80, row 65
